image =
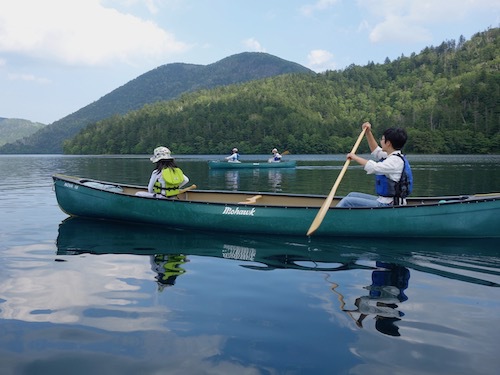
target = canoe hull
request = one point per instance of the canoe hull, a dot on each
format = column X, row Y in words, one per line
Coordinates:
column 476, row 218
column 247, row 165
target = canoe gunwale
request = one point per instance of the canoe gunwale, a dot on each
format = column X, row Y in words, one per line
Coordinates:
column 431, row 201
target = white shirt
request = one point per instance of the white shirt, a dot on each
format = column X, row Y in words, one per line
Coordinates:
column 391, row 167
column 233, row 158
column 369, row 306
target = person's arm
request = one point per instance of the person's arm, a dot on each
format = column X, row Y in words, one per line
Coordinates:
column 372, row 142
column 184, row 181
column 356, row 158
column 152, row 181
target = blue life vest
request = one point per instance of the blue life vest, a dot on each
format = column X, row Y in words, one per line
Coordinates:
column 401, row 189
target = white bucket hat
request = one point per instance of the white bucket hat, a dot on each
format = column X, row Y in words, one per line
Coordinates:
column 160, row 153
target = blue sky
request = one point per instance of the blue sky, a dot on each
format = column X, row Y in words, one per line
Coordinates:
column 57, row 56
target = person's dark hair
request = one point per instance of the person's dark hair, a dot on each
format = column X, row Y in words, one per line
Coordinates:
column 397, row 137
column 165, row 163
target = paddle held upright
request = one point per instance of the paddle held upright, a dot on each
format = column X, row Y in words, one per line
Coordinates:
column 328, row 201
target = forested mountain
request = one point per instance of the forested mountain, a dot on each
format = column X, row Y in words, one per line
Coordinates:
column 12, row 129
column 163, row 83
column 447, row 97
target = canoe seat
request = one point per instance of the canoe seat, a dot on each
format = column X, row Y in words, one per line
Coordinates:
column 251, row 200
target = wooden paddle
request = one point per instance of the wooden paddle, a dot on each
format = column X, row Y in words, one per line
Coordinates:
column 187, row 189
column 283, row 153
column 326, row 205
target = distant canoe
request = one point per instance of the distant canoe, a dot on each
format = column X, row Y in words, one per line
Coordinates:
column 473, row 216
column 246, row 165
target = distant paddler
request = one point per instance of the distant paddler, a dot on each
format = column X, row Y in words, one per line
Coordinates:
column 276, row 158
column 234, row 157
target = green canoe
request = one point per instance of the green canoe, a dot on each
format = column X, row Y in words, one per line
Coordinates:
column 246, row 165
column 475, row 216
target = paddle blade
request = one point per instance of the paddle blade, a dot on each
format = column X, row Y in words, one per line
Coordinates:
column 327, row 203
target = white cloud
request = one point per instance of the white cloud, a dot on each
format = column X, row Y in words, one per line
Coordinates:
column 398, row 29
column 81, row 32
column 309, row 9
column 28, row 78
column 152, row 6
column 253, row 45
column 412, row 20
column 320, row 60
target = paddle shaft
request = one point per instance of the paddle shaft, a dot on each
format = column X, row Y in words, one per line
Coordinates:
column 326, row 204
column 187, row 189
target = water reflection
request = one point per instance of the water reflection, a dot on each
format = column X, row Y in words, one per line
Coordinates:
column 170, row 249
column 260, row 299
column 232, row 179
column 387, row 263
column 245, row 304
column 275, row 177
column 168, row 268
column 272, row 180
column 386, row 292
column 472, row 261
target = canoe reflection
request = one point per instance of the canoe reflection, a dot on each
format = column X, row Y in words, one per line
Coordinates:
column 466, row 260
column 388, row 261
column 171, row 247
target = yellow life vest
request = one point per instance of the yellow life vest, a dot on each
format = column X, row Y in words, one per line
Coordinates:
column 173, row 177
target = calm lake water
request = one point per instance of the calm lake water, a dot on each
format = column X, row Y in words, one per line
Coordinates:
column 90, row 297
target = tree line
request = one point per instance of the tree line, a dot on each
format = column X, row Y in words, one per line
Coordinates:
column 447, row 97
